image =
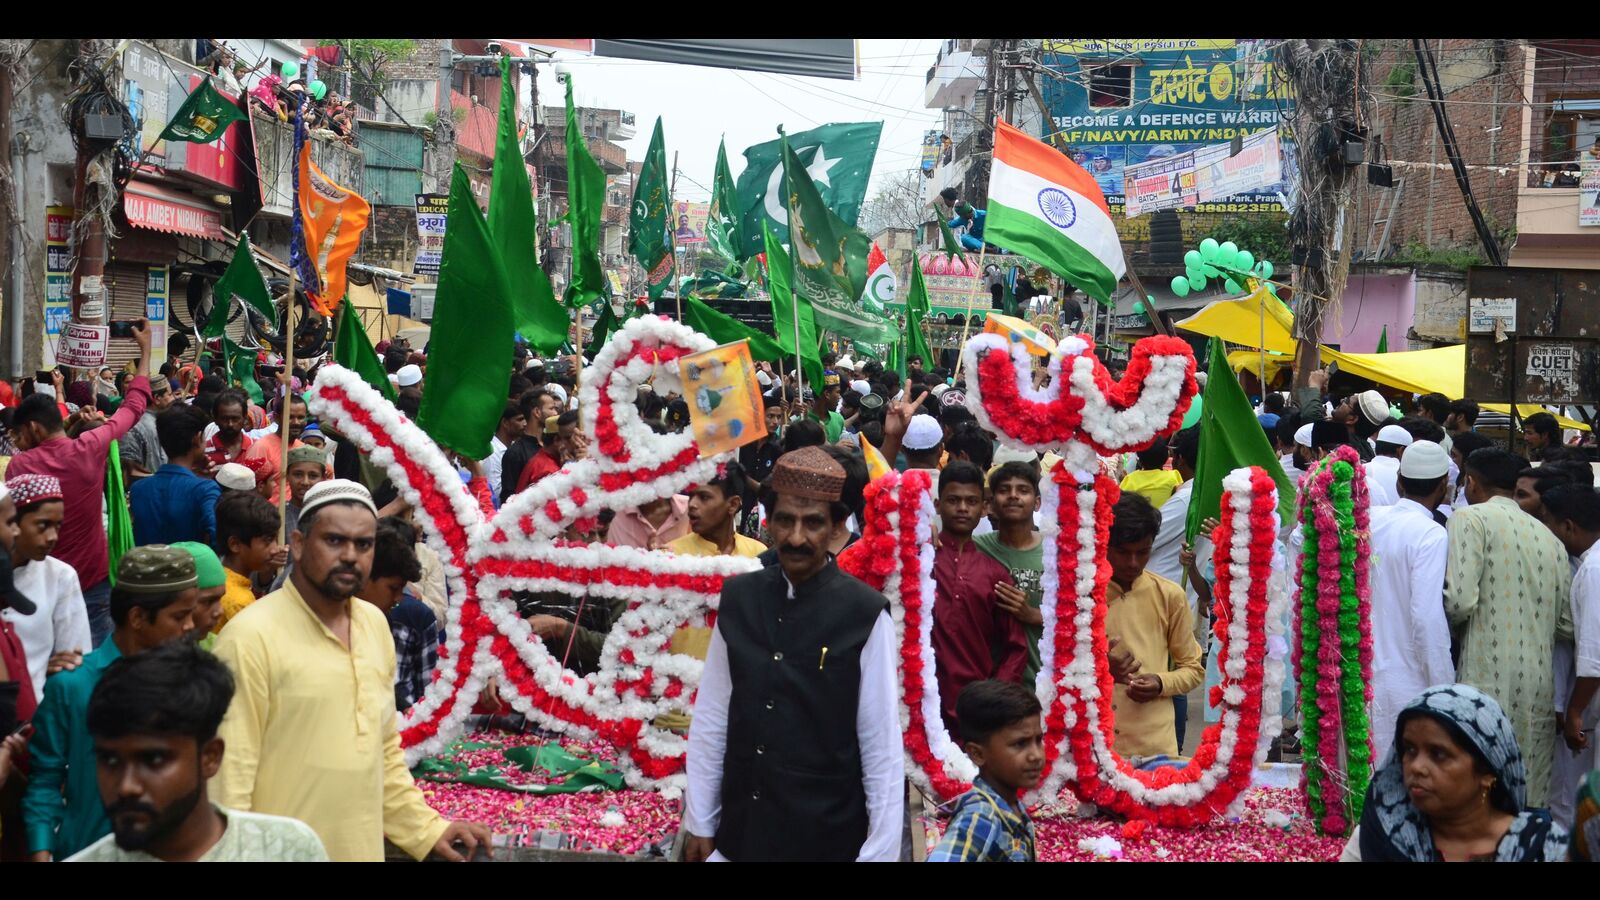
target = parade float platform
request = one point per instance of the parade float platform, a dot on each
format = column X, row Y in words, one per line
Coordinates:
column 600, row 824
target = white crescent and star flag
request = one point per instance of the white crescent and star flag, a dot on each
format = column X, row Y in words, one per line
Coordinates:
column 880, row 280
column 837, row 157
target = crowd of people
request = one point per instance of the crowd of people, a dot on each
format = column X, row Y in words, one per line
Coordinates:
column 228, row 687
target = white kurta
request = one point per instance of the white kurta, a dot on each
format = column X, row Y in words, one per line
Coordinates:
column 61, row 622
column 1574, row 659
column 877, row 734
column 1383, row 480
column 1410, row 633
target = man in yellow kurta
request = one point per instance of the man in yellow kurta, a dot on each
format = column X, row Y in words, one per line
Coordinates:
column 311, row 733
column 1147, row 618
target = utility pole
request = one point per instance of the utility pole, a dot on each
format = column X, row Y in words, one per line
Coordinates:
column 1326, row 79
column 444, row 122
column 10, row 245
column 94, row 193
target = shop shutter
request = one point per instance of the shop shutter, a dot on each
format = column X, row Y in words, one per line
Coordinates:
column 127, row 283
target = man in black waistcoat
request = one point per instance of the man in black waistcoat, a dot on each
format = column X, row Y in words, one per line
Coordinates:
column 795, row 752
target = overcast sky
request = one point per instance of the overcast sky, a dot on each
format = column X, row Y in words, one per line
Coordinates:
column 700, row 105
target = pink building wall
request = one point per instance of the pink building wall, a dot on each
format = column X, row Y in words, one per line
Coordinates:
column 1370, row 302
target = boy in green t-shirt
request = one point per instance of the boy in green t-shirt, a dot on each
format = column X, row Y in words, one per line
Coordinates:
column 1015, row 544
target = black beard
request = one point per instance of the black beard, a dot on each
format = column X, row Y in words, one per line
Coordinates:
column 328, row 586
column 162, row 823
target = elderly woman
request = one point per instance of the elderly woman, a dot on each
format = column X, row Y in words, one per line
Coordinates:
column 1453, row 789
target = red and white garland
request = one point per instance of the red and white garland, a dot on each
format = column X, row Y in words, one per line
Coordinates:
column 519, row 549
column 895, row 556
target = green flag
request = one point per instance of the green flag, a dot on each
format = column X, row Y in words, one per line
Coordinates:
column 1383, row 340
column 119, row 519
column 897, row 358
column 648, row 238
column 242, row 280
column 203, row 117
column 722, row 222
column 586, row 195
column 352, row 350
column 1230, row 437
column 473, row 333
column 839, row 160
column 952, row 247
column 1008, row 291
column 786, row 307
column 605, row 323
column 241, row 366
column 541, row 320
column 725, row 329
column 916, row 344
column 830, row 262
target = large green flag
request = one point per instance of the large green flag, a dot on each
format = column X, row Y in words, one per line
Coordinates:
column 786, row 308
column 241, row 366
column 242, row 280
column 352, row 350
column 725, row 329
column 830, row 262
column 1230, row 437
column 540, row 319
column 952, row 247
column 473, row 333
column 839, row 160
column 722, row 221
column 119, row 519
column 203, row 117
column 586, row 195
column 648, row 238
column 916, row 309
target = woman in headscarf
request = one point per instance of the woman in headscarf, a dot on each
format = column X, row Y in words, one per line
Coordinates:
column 1453, row 789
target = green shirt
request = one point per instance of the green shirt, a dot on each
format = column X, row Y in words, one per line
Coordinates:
column 63, row 755
column 833, row 427
column 1027, row 568
column 247, row 837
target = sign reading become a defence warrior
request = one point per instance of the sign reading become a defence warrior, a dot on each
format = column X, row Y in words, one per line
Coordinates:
column 1128, row 102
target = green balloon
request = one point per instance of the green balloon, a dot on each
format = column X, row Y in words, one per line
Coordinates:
column 1192, row 260
column 1231, row 285
column 319, row 89
column 1210, row 271
column 1138, row 306
column 1180, row 286
column 1247, row 261
column 291, row 70
column 1194, row 273
column 1208, row 249
column 1266, row 268
column 1230, row 249
column 1193, row 415
column 1197, row 284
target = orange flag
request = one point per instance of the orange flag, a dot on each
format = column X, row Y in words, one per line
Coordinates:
column 333, row 218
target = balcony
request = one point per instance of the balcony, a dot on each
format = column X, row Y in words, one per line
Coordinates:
column 552, row 151
column 1548, row 233
column 953, row 75
column 340, row 162
column 624, row 128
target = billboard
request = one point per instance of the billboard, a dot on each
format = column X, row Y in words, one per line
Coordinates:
column 689, row 222
column 1134, row 102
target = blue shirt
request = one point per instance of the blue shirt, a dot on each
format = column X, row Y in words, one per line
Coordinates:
column 986, row 828
column 174, row 505
column 63, row 756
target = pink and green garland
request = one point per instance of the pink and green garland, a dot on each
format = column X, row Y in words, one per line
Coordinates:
column 1334, row 656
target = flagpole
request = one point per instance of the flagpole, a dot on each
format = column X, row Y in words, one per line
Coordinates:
column 972, row 296
column 799, row 367
column 283, row 412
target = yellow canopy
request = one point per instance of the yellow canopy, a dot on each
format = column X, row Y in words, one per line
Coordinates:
column 1239, row 321
column 1525, row 410
column 1439, row 370
column 1250, row 361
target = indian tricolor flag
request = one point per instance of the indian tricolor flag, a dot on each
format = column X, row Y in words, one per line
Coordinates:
column 1047, row 208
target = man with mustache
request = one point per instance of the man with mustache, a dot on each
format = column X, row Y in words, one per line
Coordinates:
column 795, row 753
column 154, row 721
column 311, row 731
column 153, row 603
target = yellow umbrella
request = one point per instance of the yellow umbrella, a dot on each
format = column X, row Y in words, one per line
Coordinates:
column 1014, row 330
column 1250, row 361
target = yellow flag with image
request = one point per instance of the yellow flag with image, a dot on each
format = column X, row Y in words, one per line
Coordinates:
column 725, row 407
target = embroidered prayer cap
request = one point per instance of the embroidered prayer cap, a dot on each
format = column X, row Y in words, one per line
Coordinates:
column 308, row 454
column 336, row 490
column 207, row 567
column 236, row 477
column 830, row 378
column 27, row 490
column 156, row 569
column 1373, row 407
column 953, row 397
column 1424, row 460
column 1302, row 435
column 808, row 472
column 551, row 426
column 923, row 433
column 409, row 374
column 1394, row 434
